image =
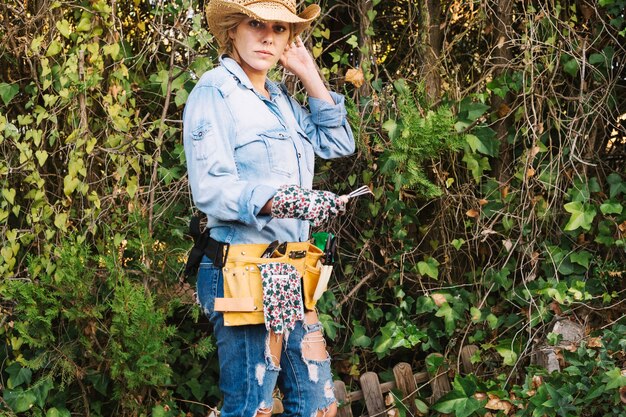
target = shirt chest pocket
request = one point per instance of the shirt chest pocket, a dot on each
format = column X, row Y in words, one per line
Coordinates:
column 266, row 153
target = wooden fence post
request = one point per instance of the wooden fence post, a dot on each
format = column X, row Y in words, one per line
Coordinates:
column 405, row 381
column 343, row 398
column 372, row 394
column 439, row 381
column 466, row 358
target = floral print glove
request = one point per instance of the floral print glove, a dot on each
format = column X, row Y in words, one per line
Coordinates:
column 282, row 299
column 294, row 202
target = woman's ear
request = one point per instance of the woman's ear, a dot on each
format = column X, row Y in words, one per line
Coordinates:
column 232, row 32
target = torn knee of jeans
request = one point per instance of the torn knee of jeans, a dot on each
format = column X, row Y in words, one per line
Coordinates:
column 272, row 362
column 330, row 410
column 313, row 347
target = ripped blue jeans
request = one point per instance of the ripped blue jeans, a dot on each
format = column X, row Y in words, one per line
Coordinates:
column 248, row 373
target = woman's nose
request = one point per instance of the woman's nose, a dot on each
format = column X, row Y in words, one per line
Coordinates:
column 268, row 37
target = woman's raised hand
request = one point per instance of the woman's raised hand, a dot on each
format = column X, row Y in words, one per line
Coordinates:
column 297, row 59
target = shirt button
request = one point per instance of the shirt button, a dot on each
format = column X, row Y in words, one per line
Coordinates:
column 299, row 155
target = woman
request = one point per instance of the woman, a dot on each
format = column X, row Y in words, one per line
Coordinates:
column 250, row 152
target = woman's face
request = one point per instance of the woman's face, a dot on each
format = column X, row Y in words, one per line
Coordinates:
column 259, row 45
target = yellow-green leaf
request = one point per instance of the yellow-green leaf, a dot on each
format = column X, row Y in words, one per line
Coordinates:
column 112, row 50
column 9, row 195
column 69, row 184
column 60, row 221
column 54, row 48
column 42, row 156
column 64, row 27
column 84, row 25
column 131, row 186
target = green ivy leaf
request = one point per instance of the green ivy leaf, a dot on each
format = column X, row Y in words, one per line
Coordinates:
column 54, row 48
column 9, row 195
column 582, row 215
column 471, row 110
column 581, row 258
column 616, row 185
column 64, row 27
column 429, row 267
column 450, row 316
column 611, row 207
column 570, row 65
column 508, row 354
column 8, row 91
column 18, row 375
column 19, row 400
column 457, row 403
column 112, row 50
column 615, row 379
column 56, row 412
column 358, row 336
column 353, row 41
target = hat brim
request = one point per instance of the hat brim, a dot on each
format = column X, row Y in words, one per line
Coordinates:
column 265, row 11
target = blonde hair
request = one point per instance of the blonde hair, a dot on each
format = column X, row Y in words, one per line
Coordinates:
column 229, row 22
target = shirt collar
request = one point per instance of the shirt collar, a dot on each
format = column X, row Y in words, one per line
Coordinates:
column 235, row 69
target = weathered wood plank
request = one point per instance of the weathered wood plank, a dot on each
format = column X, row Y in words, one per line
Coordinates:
column 373, row 394
column 343, row 398
column 439, row 382
column 466, row 359
column 405, row 381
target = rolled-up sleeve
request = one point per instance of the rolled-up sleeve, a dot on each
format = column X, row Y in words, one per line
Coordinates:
column 327, row 126
column 217, row 190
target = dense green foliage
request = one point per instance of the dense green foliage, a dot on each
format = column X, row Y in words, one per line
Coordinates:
column 495, row 147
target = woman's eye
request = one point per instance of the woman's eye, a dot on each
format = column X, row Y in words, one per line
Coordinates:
column 279, row 28
column 255, row 24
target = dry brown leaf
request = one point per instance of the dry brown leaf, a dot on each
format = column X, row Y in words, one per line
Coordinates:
column 472, row 213
column 556, row 308
column 622, row 394
column 534, row 151
column 594, row 342
column 438, row 299
column 504, row 191
column 530, row 172
column 480, row 396
column 355, row 76
column 537, row 381
column 388, row 400
column 482, row 202
column 114, row 90
column 622, row 227
column 504, row 110
column 539, row 128
column 496, row 403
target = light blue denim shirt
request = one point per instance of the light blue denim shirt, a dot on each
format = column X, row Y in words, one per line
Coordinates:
column 241, row 147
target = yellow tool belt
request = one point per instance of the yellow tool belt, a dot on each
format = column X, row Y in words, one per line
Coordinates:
column 243, row 292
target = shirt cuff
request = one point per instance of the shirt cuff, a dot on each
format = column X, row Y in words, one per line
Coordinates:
column 326, row 114
column 252, row 200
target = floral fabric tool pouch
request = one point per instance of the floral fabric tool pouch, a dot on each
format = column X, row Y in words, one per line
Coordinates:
column 282, row 299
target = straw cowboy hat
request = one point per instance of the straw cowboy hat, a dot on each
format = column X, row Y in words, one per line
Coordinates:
column 264, row 10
